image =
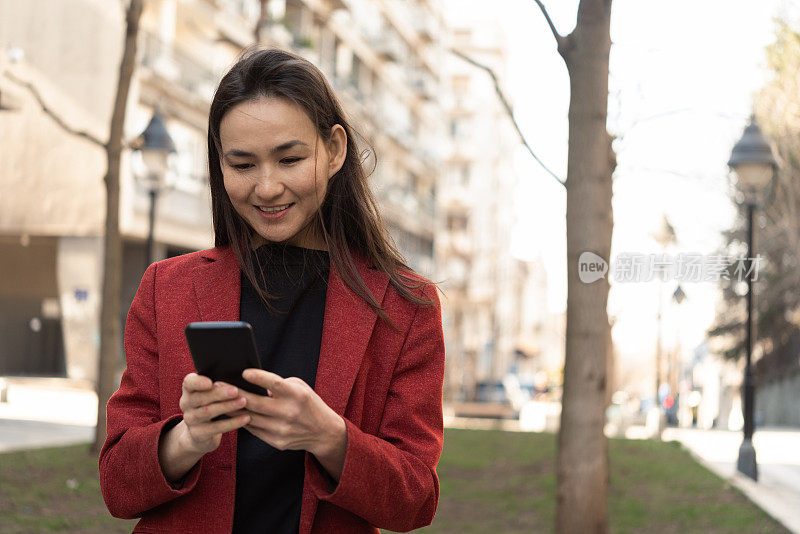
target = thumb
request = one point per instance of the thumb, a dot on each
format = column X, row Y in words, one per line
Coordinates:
column 270, row 381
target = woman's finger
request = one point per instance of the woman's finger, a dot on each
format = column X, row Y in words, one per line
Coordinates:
column 237, row 413
column 270, row 381
column 270, row 425
column 213, row 428
column 207, row 412
column 261, row 403
column 195, row 382
column 218, row 393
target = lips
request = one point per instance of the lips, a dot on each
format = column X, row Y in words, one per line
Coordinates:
column 273, row 213
column 271, row 210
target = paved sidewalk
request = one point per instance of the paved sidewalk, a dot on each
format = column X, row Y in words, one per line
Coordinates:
column 46, row 413
column 17, row 435
column 777, row 491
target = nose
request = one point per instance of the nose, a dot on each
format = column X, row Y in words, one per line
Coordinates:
column 268, row 186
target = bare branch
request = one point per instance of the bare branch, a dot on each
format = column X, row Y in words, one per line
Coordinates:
column 561, row 41
column 53, row 115
column 709, row 112
column 508, row 109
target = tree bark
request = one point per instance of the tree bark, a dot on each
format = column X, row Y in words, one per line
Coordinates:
column 582, row 464
column 261, row 23
column 110, row 331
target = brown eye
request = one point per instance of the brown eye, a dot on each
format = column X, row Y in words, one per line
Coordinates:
column 242, row 166
column 289, row 161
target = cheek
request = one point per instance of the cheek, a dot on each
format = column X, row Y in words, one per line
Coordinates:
column 309, row 185
column 233, row 187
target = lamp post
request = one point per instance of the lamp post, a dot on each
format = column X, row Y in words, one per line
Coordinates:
column 675, row 362
column 155, row 145
column 664, row 236
column 754, row 165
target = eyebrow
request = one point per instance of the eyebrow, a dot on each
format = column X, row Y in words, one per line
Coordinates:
column 280, row 148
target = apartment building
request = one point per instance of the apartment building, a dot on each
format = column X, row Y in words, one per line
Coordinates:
column 382, row 57
column 495, row 313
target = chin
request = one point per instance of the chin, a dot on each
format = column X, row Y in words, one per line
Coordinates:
column 279, row 237
column 279, row 234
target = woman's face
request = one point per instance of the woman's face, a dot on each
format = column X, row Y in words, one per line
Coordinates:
column 276, row 169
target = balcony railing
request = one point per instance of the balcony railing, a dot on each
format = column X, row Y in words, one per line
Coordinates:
column 423, row 83
column 408, row 201
column 424, row 24
column 178, row 66
column 388, row 46
column 247, row 9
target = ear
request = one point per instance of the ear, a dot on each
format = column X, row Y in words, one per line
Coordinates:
column 337, row 149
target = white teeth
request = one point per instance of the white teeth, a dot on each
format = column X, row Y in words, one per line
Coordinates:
column 275, row 209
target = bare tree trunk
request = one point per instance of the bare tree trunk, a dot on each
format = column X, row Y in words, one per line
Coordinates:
column 582, row 446
column 582, row 464
column 611, row 367
column 110, row 334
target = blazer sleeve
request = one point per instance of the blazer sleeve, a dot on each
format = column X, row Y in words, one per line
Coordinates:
column 390, row 479
column 131, row 479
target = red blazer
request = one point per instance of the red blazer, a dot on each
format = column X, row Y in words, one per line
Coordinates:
column 387, row 385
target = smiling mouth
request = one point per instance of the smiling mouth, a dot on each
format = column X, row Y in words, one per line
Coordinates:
column 275, row 209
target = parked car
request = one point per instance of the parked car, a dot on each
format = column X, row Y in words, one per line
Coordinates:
column 491, row 401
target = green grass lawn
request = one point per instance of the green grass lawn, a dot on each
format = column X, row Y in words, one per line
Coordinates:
column 53, row 490
column 505, row 482
column 491, row 481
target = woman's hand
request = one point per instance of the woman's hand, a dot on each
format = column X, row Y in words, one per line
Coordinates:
column 183, row 445
column 201, row 402
column 294, row 417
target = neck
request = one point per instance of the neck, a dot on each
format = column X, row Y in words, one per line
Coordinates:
column 302, row 241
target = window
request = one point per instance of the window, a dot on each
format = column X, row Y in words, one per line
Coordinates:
column 456, row 223
column 463, row 174
column 461, row 85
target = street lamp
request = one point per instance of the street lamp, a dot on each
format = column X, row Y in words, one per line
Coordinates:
column 675, row 363
column 155, row 145
column 754, row 165
column 679, row 295
column 664, row 236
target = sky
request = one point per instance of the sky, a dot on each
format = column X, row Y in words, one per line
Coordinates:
column 683, row 76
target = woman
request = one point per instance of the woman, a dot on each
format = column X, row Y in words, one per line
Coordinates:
column 349, row 435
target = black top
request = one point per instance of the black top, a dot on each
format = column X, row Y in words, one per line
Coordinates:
column 269, row 482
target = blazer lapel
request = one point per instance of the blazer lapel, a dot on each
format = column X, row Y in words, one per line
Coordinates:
column 346, row 331
column 217, row 287
column 218, row 291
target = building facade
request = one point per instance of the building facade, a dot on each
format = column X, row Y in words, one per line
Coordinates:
column 440, row 165
column 494, row 311
column 380, row 56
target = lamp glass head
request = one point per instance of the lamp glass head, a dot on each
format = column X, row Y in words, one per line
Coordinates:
column 752, row 178
column 156, row 162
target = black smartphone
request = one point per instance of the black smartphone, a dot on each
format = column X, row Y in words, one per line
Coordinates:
column 221, row 350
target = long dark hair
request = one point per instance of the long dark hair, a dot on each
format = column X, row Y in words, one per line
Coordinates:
column 348, row 218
